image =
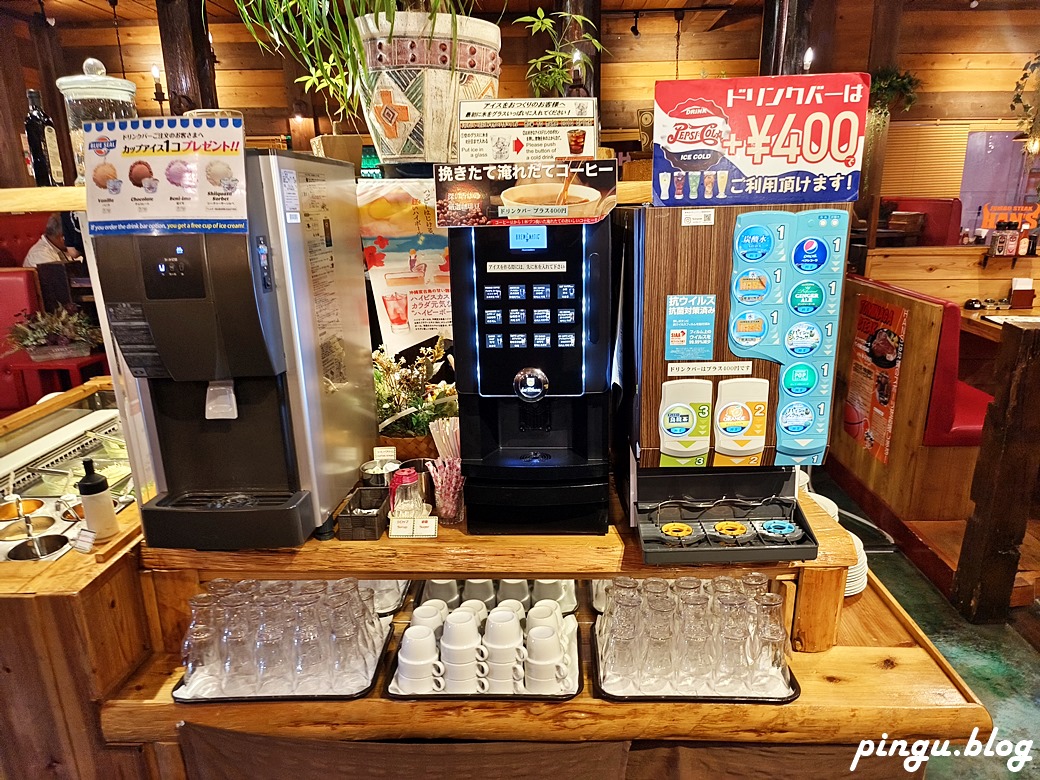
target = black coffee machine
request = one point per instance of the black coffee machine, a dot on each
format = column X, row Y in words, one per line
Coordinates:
column 531, row 309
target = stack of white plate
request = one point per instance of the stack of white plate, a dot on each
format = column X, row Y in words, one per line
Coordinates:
column 856, row 582
column 826, row 504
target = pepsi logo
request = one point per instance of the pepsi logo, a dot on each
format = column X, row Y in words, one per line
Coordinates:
column 810, row 245
column 102, row 145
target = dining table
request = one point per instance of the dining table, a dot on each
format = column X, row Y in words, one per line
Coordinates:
column 973, row 321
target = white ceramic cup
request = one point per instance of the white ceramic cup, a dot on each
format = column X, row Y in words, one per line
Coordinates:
column 481, row 590
column 428, row 615
column 544, row 616
column 515, row 589
column 463, row 655
column 418, row 644
column 416, row 670
column 441, row 605
column 540, row 687
column 445, row 590
column 465, row 671
column 505, row 654
column 505, row 671
column 553, row 605
column 504, row 687
column 547, row 589
column 503, row 629
column 461, row 630
column 472, row 685
column 409, row 685
column 544, row 670
column 543, row 646
column 478, row 608
column 514, row 606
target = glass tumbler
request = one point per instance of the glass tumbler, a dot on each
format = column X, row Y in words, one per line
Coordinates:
column 732, row 663
column 199, row 653
column 238, row 646
column 770, row 661
column 655, row 673
column 310, row 647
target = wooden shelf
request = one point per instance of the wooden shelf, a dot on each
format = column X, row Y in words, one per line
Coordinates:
column 634, row 192
column 456, row 554
column 16, row 200
column 884, row 676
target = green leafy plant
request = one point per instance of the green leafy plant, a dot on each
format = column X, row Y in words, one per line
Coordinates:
column 551, row 73
column 406, row 400
column 890, row 89
column 324, row 37
column 59, row 328
column 1026, row 99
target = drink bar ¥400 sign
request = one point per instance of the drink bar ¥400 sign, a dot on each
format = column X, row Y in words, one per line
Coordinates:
column 766, row 139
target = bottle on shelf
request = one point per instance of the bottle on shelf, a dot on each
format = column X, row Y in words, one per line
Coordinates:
column 1011, row 245
column 998, row 240
column 43, row 144
column 1023, row 240
column 98, row 509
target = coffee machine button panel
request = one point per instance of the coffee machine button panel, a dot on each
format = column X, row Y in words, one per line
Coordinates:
column 518, row 316
column 531, row 384
column 493, row 340
column 541, row 292
column 493, row 317
column 518, row 341
column 565, row 340
column 565, row 292
column 565, row 316
column 518, row 292
column 492, row 293
column 542, row 340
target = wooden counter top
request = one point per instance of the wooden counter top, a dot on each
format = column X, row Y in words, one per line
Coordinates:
column 972, row 322
column 455, row 554
column 883, row 676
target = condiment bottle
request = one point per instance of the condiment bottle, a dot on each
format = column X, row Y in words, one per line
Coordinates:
column 1023, row 240
column 998, row 239
column 99, row 512
column 1011, row 246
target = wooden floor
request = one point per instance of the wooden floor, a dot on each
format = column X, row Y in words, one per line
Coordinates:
column 943, row 538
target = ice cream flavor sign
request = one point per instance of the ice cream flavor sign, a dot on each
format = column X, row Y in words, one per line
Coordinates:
column 170, row 175
column 766, row 139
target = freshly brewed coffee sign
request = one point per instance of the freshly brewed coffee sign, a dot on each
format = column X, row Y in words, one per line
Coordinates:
column 567, row 192
column 176, row 175
column 769, row 139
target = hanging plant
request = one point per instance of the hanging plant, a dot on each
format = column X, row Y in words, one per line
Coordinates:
column 890, row 89
column 324, row 37
column 551, row 73
column 1026, row 100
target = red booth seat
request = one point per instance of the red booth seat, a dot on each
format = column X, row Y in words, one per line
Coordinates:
column 18, row 232
column 942, row 219
column 19, row 291
column 956, row 410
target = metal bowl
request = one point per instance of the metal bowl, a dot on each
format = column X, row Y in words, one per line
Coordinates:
column 16, row 531
column 9, row 511
column 27, row 550
column 75, row 512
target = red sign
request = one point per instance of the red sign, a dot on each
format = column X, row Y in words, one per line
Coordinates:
column 768, row 139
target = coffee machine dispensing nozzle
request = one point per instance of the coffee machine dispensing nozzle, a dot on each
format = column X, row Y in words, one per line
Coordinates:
column 220, row 400
column 530, row 384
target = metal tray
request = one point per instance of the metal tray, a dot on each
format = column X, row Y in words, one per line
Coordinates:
column 399, row 603
column 796, row 689
column 564, row 613
column 487, row 696
column 384, row 656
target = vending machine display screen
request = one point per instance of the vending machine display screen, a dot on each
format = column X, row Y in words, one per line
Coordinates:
column 530, row 311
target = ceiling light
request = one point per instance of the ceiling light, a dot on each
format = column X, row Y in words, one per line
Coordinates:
column 635, row 26
column 807, row 58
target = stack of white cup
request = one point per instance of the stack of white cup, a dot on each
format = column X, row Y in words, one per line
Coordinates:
column 484, row 652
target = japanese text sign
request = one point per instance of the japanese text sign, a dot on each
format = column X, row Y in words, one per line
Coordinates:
column 768, row 139
column 501, row 131
column 177, row 175
column 567, row 192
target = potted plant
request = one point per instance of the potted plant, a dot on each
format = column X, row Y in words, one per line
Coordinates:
column 1026, row 98
column 63, row 333
column 407, row 67
column 407, row 401
column 550, row 74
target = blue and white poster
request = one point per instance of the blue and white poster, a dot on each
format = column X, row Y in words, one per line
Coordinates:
column 169, row 175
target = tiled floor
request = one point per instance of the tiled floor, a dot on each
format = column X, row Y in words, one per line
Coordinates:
column 1001, row 667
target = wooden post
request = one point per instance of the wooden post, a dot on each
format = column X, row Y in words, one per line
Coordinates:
column 13, row 106
column 785, row 36
column 1004, row 480
column 187, row 56
column 50, row 59
column 298, row 102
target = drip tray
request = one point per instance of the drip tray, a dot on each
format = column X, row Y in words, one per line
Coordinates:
column 210, row 501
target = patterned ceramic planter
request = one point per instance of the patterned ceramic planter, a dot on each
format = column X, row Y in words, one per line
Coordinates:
column 415, row 87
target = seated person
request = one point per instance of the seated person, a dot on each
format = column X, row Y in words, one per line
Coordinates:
column 51, row 246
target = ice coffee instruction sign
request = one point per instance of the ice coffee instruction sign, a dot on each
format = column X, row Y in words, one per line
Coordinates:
column 515, row 131
column 764, row 139
column 170, row 175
